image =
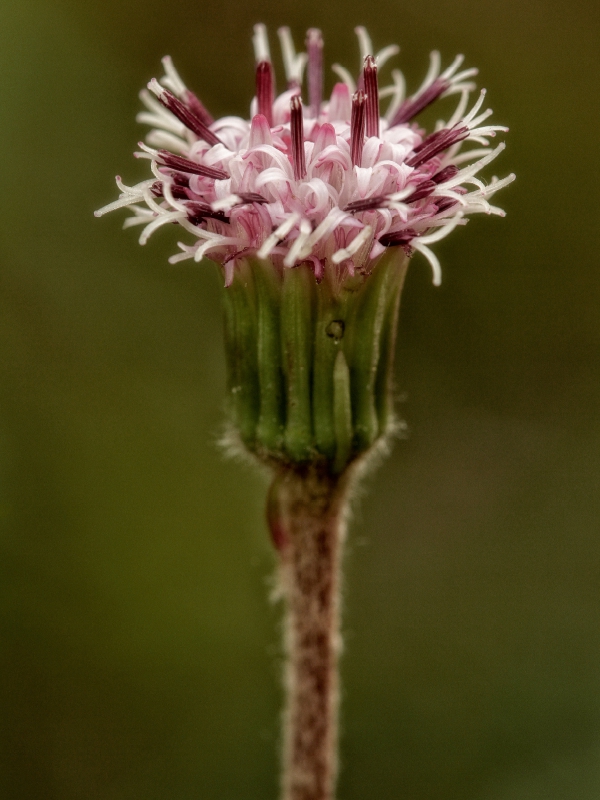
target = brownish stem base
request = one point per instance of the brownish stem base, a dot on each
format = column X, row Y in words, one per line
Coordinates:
column 306, row 515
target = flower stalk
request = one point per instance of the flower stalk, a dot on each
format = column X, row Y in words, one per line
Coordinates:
column 311, row 508
column 312, row 213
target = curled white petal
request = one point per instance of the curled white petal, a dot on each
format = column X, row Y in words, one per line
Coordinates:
column 355, row 245
column 433, row 260
column 280, row 233
column 345, row 75
column 296, row 248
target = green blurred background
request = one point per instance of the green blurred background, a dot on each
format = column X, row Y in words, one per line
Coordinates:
column 140, row 654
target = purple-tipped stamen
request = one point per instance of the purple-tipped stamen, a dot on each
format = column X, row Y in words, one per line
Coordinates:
column 201, row 211
column 314, row 47
column 357, row 127
column 252, row 197
column 178, row 192
column 435, row 143
column 297, row 131
column 372, row 92
column 445, row 174
column 265, row 90
column 167, row 159
column 368, row 204
column 424, row 189
column 395, row 239
column 197, row 107
column 187, row 117
column 413, row 106
column 445, row 203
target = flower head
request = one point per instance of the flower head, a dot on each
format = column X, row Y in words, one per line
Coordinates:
column 330, row 183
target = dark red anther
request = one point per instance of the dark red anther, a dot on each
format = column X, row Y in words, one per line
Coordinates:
column 445, row 203
column 372, row 92
column 197, row 107
column 180, row 179
column 201, row 211
column 357, row 127
column 396, row 238
column 178, row 192
column 297, row 131
column 185, row 115
column 265, row 90
column 167, row 159
column 367, row 204
column 435, row 143
column 424, row 189
column 251, row 197
column 314, row 47
column 413, row 106
column 445, row 174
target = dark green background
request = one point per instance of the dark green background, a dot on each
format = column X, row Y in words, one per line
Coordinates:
column 140, row 654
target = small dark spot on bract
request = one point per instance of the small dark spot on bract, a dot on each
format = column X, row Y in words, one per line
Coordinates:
column 335, row 329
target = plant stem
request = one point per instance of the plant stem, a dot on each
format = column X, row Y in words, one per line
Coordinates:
column 309, row 505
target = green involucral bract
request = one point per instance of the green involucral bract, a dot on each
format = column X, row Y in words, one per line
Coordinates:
column 310, row 365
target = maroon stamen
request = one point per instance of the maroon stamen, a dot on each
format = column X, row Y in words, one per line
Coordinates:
column 179, row 179
column 265, row 90
column 445, row 203
column 445, row 174
column 414, row 105
column 188, row 117
column 372, row 112
column 396, row 238
column 314, row 47
column 178, row 192
column 423, row 190
column 197, row 107
column 435, row 143
column 357, row 127
column 185, row 165
column 433, row 137
column 367, row 204
column 252, row 197
column 297, row 130
column 200, row 211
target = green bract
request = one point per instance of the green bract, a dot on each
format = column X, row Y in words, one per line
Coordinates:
column 310, row 364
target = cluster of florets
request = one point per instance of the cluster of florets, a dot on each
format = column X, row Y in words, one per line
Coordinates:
column 329, row 183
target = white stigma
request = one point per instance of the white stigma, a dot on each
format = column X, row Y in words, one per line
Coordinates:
column 261, row 43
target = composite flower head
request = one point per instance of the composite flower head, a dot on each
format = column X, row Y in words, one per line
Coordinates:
column 328, row 182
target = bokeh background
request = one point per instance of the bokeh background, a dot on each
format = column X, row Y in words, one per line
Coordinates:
column 140, row 654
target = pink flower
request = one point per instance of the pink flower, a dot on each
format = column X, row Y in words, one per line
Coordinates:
column 329, row 183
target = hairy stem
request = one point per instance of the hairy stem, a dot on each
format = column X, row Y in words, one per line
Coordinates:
column 310, row 506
